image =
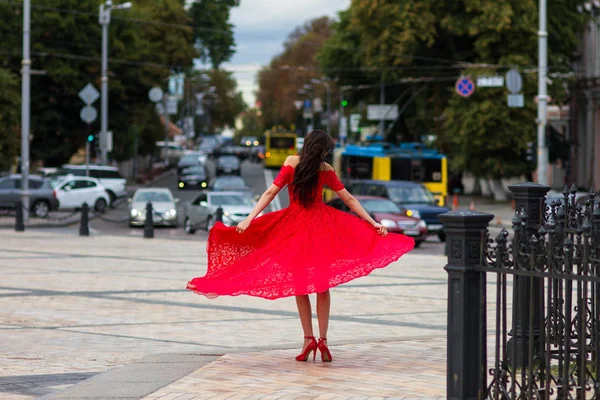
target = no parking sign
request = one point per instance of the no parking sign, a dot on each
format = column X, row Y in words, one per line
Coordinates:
column 465, row 86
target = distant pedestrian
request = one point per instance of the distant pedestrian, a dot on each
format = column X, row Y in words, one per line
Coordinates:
column 306, row 248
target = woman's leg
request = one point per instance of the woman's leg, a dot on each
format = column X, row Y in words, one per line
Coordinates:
column 305, row 312
column 323, row 306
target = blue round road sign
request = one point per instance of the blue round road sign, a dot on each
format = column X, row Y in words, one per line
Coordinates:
column 465, row 86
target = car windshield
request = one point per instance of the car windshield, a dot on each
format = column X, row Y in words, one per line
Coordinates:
column 194, row 171
column 231, row 200
column 55, row 182
column 411, row 194
column 190, row 159
column 228, row 160
column 380, row 206
column 152, row 196
column 232, row 183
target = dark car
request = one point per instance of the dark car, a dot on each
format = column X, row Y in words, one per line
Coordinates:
column 228, row 165
column 411, row 196
column 195, row 176
column 388, row 214
column 42, row 197
column 189, row 160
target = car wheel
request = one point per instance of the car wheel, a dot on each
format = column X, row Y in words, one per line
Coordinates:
column 210, row 223
column 442, row 236
column 100, row 205
column 418, row 243
column 41, row 209
column 188, row 227
column 112, row 197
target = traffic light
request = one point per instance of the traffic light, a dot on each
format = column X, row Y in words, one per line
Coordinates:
column 531, row 152
column 344, row 103
column 90, row 138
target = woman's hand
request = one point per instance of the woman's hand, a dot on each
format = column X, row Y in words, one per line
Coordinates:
column 242, row 226
column 382, row 230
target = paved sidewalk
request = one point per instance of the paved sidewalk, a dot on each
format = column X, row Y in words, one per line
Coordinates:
column 107, row 317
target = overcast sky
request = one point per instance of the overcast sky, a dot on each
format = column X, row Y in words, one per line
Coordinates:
column 261, row 27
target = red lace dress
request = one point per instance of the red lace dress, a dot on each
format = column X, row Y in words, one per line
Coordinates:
column 296, row 250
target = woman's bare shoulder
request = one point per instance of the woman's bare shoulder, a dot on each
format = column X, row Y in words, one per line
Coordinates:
column 326, row 167
column 292, row 161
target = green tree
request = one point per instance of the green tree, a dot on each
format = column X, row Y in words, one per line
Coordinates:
column 428, row 45
column 227, row 102
column 213, row 33
column 251, row 124
column 146, row 44
column 9, row 118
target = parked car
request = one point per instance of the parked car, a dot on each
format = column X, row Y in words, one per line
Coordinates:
column 109, row 177
column 201, row 212
column 42, row 197
column 73, row 191
column 228, row 165
column 411, row 196
column 249, row 141
column 195, row 176
column 189, row 160
column 388, row 214
column 164, row 207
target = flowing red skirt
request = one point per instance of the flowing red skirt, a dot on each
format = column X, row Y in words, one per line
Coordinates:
column 293, row 252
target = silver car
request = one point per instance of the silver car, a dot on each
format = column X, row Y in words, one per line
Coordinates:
column 201, row 212
column 164, row 207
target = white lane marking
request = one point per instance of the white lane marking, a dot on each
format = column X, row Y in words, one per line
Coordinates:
column 276, row 203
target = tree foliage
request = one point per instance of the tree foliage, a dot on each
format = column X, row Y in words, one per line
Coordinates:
column 279, row 83
column 421, row 44
column 146, row 43
column 227, row 101
column 9, row 118
column 251, row 124
column 213, row 33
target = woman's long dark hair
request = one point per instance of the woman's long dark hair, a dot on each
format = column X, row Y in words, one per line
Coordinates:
column 317, row 146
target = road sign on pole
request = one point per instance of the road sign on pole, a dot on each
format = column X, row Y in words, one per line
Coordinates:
column 155, row 94
column 465, row 86
column 89, row 94
column 376, row 112
column 514, row 84
column 343, row 128
column 490, row 81
column 88, row 114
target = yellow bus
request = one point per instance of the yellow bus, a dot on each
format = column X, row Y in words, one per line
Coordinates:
column 278, row 146
column 409, row 162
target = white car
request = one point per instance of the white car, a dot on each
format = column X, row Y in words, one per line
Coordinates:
column 164, row 207
column 109, row 177
column 73, row 191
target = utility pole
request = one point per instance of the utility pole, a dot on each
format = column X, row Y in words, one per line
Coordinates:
column 166, row 117
column 382, row 102
column 542, row 170
column 25, row 109
column 104, row 20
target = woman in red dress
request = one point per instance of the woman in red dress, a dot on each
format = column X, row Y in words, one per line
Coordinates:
column 305, row 248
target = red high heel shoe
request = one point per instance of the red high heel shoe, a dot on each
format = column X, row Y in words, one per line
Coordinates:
column 325, row 354
column 312, row 347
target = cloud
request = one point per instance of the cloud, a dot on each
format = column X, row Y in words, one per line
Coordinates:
column 261, row 27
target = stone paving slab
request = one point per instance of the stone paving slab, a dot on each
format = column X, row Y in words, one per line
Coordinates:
column 85, row 305
column 409, row 369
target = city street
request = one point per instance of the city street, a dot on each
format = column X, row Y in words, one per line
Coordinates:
column 255, row 175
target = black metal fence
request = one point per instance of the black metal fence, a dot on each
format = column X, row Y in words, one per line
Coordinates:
column 541, row 338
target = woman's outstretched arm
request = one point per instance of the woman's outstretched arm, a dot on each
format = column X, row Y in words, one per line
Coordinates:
column 358, row 209
column 266, row 199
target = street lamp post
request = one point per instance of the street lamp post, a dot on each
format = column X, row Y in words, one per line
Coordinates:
column 543, row 161
column 104, row 20
column 25, row 110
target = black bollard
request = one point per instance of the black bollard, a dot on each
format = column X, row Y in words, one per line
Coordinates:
column 84, row 228
column 219, row 215
column 148, row 224
column 19, row 223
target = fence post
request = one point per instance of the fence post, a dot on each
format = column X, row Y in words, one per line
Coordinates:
column 84, row 228
column 219, row 215
column 148, row 223
column 19, row 223
column 466, row 335
column 529, row 198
